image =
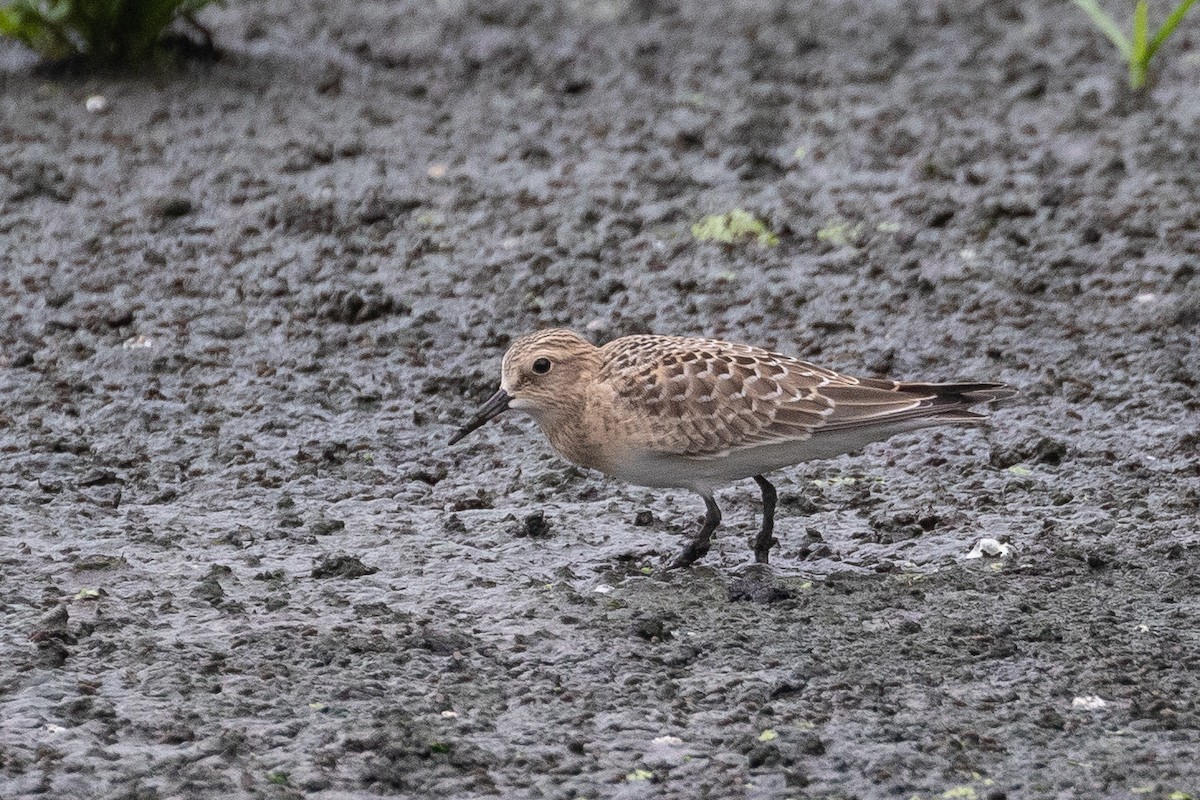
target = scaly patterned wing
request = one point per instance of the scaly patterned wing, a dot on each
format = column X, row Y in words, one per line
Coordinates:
column 704, row 399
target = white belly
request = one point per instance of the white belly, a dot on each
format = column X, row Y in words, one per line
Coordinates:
column 704, row 475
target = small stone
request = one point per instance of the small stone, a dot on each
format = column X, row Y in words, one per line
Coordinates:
column 991, row 547
column 535, row 526
column 1089, row 702
column 341, row 567
column 172, row 207
column 137, row 342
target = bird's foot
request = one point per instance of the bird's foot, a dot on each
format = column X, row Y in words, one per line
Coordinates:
column 762, row 547
column 690, row 555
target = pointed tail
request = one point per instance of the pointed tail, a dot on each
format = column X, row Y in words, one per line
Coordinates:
column 948, row 402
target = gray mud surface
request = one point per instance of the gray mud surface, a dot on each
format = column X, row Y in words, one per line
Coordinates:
column 243, row 310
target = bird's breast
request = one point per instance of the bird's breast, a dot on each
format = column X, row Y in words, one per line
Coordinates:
column 594, row 436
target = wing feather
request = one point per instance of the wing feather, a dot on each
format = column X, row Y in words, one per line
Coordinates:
column 719, row 397
column 704, row 399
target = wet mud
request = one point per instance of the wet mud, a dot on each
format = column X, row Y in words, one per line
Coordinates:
column 244, row 309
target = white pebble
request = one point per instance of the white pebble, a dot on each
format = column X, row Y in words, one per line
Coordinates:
column 991, row 547
column 96, row 104
column 137, row 342
column 1089, row 702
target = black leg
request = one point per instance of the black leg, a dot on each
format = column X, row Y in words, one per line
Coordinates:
column 766, row 537
column 697, row 547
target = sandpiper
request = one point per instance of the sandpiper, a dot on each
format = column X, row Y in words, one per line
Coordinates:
column 690, row 413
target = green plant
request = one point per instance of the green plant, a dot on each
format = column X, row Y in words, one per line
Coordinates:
column 1138, row 49
column 735, row 226
column 103, row 33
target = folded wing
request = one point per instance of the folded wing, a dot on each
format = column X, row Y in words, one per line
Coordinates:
column 705, row 399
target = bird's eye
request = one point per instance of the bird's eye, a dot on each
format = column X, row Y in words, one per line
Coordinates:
column 541, row 366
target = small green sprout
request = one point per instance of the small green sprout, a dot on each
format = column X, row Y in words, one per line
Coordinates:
column 768, row 735
column 840, row 233
column 277, row 777
column 737, row 225
column 639, row 775
column 960, row 793
column 1141, row 47
column 101, row 33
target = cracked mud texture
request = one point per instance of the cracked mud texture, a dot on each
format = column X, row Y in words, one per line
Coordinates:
column 243, row 310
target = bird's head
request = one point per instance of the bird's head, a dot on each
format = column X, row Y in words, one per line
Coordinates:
column 544, row 374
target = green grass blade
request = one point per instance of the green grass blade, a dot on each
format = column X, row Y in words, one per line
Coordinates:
column 1141, row 30
column 1139, row 62
column 9, row 26
column 1107, row 26
column 1168, row 27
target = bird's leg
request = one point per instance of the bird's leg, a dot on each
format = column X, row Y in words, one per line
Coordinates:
column 698, row 546
column 766, row 538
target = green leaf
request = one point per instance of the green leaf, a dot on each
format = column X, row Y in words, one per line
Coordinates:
column 1138, row 60
column 8, row 23
column 1141, row 31
column 1107, row 26
column 737, row 225
column 1168, row 27
column 104, row 32
column 840, row 233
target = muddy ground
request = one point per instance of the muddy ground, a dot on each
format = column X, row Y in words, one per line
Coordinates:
column 244, row 308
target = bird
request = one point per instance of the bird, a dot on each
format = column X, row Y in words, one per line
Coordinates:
column 681, row 412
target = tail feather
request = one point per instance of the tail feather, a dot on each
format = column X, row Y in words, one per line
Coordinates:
column 951, row 402
column 968, row 393
column 946, row 402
